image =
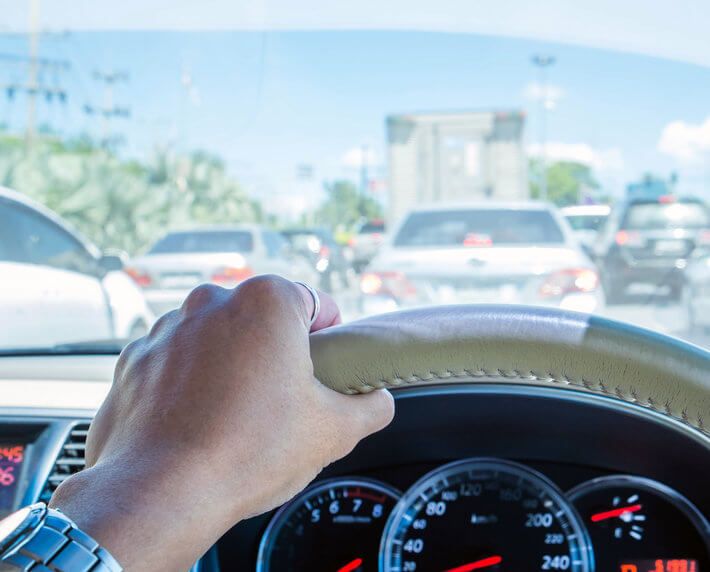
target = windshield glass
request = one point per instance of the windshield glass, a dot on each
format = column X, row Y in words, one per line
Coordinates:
column 479, row 228
column 455, row 153
column 585, row 222
column 212, row 241
column 661, row 216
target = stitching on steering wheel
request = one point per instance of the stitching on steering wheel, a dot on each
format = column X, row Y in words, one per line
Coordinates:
column 600, row 387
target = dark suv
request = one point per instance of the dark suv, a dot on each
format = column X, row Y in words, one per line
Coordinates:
column 649, row 241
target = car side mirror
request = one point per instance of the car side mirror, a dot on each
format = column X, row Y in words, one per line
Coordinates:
column 112, row 262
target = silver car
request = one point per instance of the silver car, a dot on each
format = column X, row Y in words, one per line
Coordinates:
column 223, row 255
column 486, row 252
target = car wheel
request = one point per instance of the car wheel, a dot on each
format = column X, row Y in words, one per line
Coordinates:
column 138, row 330
column 614, row 289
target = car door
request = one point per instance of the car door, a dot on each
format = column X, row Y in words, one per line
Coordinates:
column 47, row 276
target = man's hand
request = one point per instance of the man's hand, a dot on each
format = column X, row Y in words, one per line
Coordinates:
column 215, row 416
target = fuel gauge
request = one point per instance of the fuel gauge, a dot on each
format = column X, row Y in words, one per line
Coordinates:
column 640, row 525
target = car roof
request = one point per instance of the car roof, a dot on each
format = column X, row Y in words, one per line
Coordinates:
column 484, row 205
column 246, row 227
column 591, row 210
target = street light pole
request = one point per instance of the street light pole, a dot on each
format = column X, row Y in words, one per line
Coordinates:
column 542, row 62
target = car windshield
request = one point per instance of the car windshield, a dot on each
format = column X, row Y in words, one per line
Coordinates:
column 585, row 222
column 662, row 216
column 486, row 227
column 205, row 241
column 395, row 154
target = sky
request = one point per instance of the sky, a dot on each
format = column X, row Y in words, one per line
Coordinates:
column 272, row 100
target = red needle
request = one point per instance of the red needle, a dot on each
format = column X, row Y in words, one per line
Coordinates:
column 614, row 513
column 477, row 565
column 350, row 566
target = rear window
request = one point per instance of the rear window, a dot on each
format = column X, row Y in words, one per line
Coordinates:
column 372, row 228
column 213, row 241
column 667, row 215
column 488, row 227
column 585, row 222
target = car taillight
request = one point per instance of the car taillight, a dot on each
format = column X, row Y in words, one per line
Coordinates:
column 232, row 275
column 628, row 238
column 387, row 283
column 324, row 252
column 140, row 277
column 704, row 237
column 477, row 240
column 569, row 281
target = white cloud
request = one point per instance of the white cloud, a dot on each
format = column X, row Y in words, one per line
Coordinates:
column 353, row 158
column 687, row 142
column 610, row 159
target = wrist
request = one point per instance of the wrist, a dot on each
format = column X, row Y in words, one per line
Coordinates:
column 122, row 513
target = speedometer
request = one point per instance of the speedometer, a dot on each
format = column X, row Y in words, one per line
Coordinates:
column 484, row 514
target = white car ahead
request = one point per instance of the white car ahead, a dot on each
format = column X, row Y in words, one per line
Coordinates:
column 224, row 255
column 50, row 275
column 519, row 253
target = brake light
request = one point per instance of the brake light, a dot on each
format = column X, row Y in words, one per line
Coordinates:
column 477, row 240
column 568, row 281
column 232, row 275
column 324, row 252
column 140, row 277
column 387, row 283
column 704, row 237
column 667, row 199
column 627, row 238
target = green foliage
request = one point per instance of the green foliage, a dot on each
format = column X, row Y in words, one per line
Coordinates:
column 567, row 181
column 346, row 206
column 118, row 203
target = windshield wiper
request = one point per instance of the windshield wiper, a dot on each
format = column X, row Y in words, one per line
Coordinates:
column 89, row 347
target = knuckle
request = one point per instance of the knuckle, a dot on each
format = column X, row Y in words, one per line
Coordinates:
column 200, row 297
column 163, row 322
column 264, row 289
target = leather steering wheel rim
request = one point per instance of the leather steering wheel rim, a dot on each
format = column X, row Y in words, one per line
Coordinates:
column 518, row 345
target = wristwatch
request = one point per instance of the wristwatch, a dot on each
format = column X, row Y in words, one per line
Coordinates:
column 42, row 539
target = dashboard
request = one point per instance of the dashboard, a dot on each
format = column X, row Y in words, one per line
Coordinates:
column 479, row 476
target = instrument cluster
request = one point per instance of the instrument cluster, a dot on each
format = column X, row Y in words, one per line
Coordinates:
column 487, row 514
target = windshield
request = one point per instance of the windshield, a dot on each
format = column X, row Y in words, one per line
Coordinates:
column 484, row 227
column 585, row 222
column 212, row 241
column 457, row 153
column 661, row 216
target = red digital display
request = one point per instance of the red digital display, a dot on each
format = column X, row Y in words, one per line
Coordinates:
column 11, row 458
column 660, row 565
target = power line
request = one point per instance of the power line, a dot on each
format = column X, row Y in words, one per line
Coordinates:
column 108, row 109
column 34, row 86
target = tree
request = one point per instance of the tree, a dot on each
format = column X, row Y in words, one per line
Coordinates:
column 346, row 205
column 118, row 203
column 567, row 181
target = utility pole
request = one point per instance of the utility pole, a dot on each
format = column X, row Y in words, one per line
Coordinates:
column 108, row 109
column 542, row 62
column 364, row 175
column 35, row 85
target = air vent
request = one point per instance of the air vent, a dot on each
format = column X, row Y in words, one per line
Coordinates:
column 70, row 460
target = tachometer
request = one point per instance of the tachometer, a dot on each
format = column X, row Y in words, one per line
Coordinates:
column 640, row 525
column 484, row 514
column 334, row 525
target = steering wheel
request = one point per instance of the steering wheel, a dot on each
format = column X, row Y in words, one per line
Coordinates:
column 519, row 345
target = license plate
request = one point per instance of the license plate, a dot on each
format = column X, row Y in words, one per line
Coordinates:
column 498, row 294
column 669, row 247
column 180, row 280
